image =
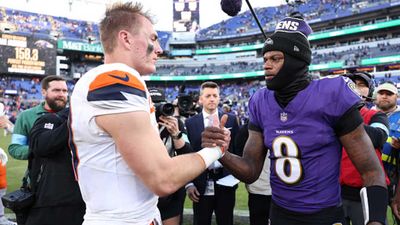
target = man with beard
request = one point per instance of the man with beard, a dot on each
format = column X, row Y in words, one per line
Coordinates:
column 304, row 124
column 55, row 93
column 386, row 101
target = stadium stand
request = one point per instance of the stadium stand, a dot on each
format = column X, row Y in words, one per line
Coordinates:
column 347, row 35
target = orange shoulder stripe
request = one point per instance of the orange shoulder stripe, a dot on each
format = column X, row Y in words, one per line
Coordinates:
column 116, row 77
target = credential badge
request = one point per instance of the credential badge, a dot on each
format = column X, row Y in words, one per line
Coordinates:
column 283, row 116
column 49, row 126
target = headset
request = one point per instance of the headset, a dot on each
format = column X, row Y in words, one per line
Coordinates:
column 367, row 77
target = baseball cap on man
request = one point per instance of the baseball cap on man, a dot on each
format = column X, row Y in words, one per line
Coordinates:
column 290, row 37
column 387, row 87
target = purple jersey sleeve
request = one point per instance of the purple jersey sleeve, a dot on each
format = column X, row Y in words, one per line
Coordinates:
column 342, row 96
column 255, row 99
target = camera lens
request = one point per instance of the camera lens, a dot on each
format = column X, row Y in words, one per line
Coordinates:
column 166, row 109
column 185, row 102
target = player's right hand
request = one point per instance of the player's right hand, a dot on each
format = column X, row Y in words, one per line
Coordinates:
column 193, row 193
column 216, row 136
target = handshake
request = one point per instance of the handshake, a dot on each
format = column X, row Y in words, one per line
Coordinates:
column 215, row 141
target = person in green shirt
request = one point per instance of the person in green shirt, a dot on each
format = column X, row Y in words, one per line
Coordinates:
column 55, row 93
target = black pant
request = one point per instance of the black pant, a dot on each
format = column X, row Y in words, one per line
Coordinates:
column 259, row 206
column 222, row 203
column 172, row 205
column 57, row 215
column 22, row 215
column 327, row 216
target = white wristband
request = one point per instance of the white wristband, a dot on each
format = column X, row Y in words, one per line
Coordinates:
column 210, row 155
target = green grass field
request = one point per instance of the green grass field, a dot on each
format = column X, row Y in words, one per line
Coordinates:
column 16, row 170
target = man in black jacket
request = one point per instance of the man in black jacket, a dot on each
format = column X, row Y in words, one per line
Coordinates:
column 58, row 198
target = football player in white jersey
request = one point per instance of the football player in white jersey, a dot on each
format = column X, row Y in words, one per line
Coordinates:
column 120, row 161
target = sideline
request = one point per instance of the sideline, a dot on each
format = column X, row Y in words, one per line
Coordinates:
column 236, row 212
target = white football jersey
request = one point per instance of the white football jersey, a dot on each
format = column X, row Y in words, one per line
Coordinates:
column 112, row 192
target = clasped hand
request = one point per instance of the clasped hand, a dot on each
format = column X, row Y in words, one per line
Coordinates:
column 216, row 136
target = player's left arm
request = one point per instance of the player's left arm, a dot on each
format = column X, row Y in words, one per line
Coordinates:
column 19, row 148
column 360, row 150
column 358, row 145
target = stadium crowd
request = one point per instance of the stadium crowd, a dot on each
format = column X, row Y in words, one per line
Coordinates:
column 19, row 94
column 243, row 24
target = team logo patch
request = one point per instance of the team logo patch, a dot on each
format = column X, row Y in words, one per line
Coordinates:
column 125, row 78
column 284, row 117
column 294, row 25
column 269, row 41
column 48, row 126
column 352, row 87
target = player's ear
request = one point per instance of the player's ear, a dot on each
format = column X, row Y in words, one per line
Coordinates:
column 125, row 38
column 44, row 91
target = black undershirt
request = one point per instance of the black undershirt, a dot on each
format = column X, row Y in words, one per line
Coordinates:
column 349, row 121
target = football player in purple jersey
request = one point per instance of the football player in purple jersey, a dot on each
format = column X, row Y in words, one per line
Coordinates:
column 304, row 123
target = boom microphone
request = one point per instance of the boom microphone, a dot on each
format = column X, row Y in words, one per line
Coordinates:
column 231, row 7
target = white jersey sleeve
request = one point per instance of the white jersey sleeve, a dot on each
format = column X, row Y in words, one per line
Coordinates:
column 116, row 91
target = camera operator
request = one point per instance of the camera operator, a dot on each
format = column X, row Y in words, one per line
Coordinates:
column 173, row 134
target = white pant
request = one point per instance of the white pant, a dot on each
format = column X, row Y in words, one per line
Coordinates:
column 157, row 221
column 2, row 193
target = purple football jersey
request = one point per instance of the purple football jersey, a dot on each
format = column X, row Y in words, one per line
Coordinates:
column 304, row 150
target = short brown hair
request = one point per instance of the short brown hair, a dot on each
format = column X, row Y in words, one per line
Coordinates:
column 45, row 82
column 118, row 17
column 208, row 84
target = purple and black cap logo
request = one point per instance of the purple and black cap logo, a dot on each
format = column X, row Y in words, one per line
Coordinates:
column 294, row 25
